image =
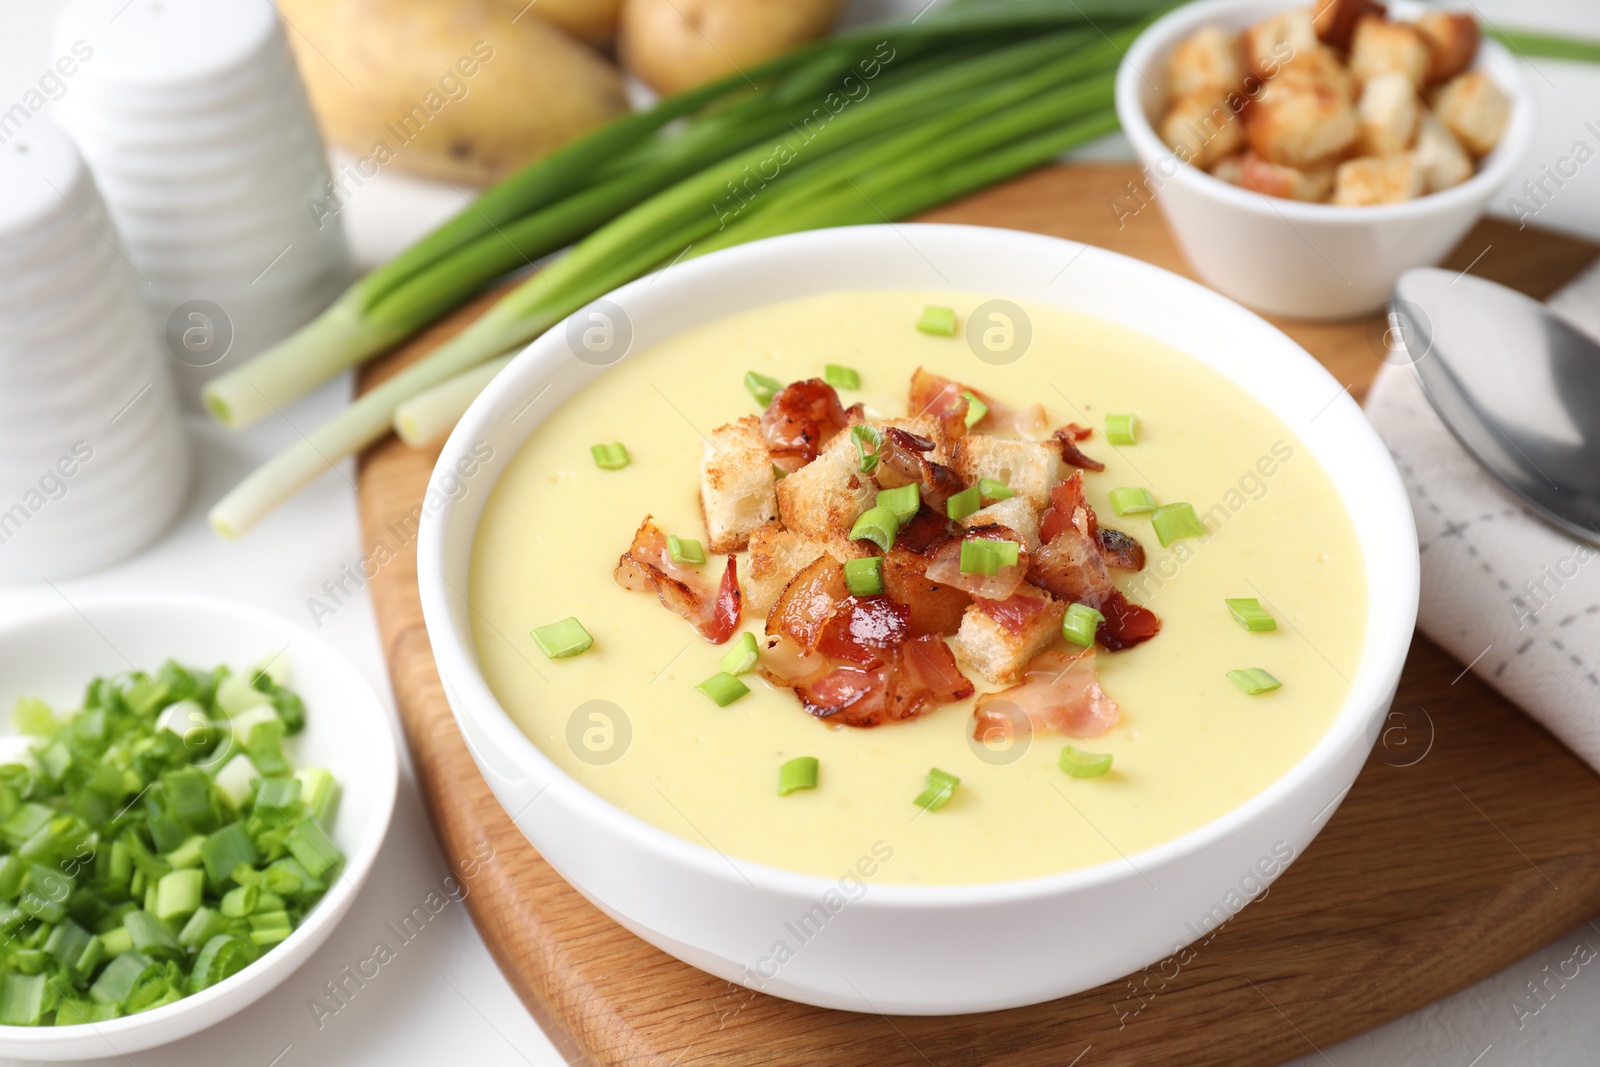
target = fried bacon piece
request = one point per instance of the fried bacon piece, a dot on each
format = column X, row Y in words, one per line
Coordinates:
column 945, row 564
column 864, row 630
column 920, row 675
column 1072, row 563
column 801, row 418
column 1059, row 693
column 647, row 567
column 1068, row 508
column 902, row 460
column 941, row 397
column 935, row 608
column 1127, row 624
column 854, row 660
column 807, row 602
column 1067, row 439
column 1120, row 550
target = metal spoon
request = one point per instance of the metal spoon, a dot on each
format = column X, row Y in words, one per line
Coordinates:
column 1516, row 385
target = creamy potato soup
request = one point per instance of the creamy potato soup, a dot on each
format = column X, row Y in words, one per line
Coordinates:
column 1186, row 742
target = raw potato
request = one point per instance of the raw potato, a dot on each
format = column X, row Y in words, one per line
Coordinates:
column 677, row 44
column 594, row 21
column 447, row 90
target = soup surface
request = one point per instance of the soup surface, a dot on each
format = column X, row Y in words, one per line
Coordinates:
column 624, row 718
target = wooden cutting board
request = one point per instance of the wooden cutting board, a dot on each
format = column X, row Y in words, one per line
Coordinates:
column 1466, row 843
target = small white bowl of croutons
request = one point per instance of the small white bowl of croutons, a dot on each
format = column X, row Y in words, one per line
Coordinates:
column 1307, row 154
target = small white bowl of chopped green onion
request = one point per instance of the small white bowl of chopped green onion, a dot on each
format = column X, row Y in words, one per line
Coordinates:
column 191, row 794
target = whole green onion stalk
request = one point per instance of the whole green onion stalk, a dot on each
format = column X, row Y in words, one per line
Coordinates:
column 559, row 199
column 918, row 142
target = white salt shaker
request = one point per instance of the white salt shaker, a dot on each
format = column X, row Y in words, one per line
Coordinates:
column 94, row 459
column 193, row 118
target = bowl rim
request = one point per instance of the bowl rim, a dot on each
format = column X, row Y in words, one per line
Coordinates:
column 327, row 912
column 1492, row 174
column 1389, row 632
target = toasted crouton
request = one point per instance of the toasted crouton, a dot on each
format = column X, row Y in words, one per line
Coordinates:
column 1229, row 170
column 1335, row 20
column 1301, row 125
column 1377, row 180
column 1201, row 128
column 1439, row 155
column 1274, row 41
column 1017, row 513
column 822, row 499
column 1380, row 47
column 776, row 555
column 1475, row 110
column 1388, row 110
column 1290, row 183
column 737, row 487
column 998, row 653
column 1030, row 468
column 1209, row 59
column 1452, row 40
column 1317, row 69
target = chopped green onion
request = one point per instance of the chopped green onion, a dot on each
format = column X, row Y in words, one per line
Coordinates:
column 1080, row 623
column 116, row 942
column 240, row 901
column 222, row 957
column 310, row 844
column 22, row 999
column 940, row 321
column 963, row 503
column 878, row 525
column 151, row 936
column 761, row 387
column 1132, row 500
column 841, row 377
column 319, row 791
column 1080, row 764
column 991, row 489
column 742, row 656
column 904, row 501
column 612, row 457
column 938, row 791
column 1122, row 429
column 798, row 773
column 981, row 555
column 723, row 688
column 863, row 435
column 685, row 549
column 976, row 408
column 1250, row 614
column 178, row 894
column 565, row 638
column 202, row 926
column 864, row 577
column 1173, row 522
column 116, row 983
column 1253, row 681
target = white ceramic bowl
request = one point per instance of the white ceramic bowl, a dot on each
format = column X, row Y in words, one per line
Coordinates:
column 901, row 948
column 1284, row 257
column 54, row 655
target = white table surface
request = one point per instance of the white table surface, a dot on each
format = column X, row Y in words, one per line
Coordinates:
column 442, row 999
